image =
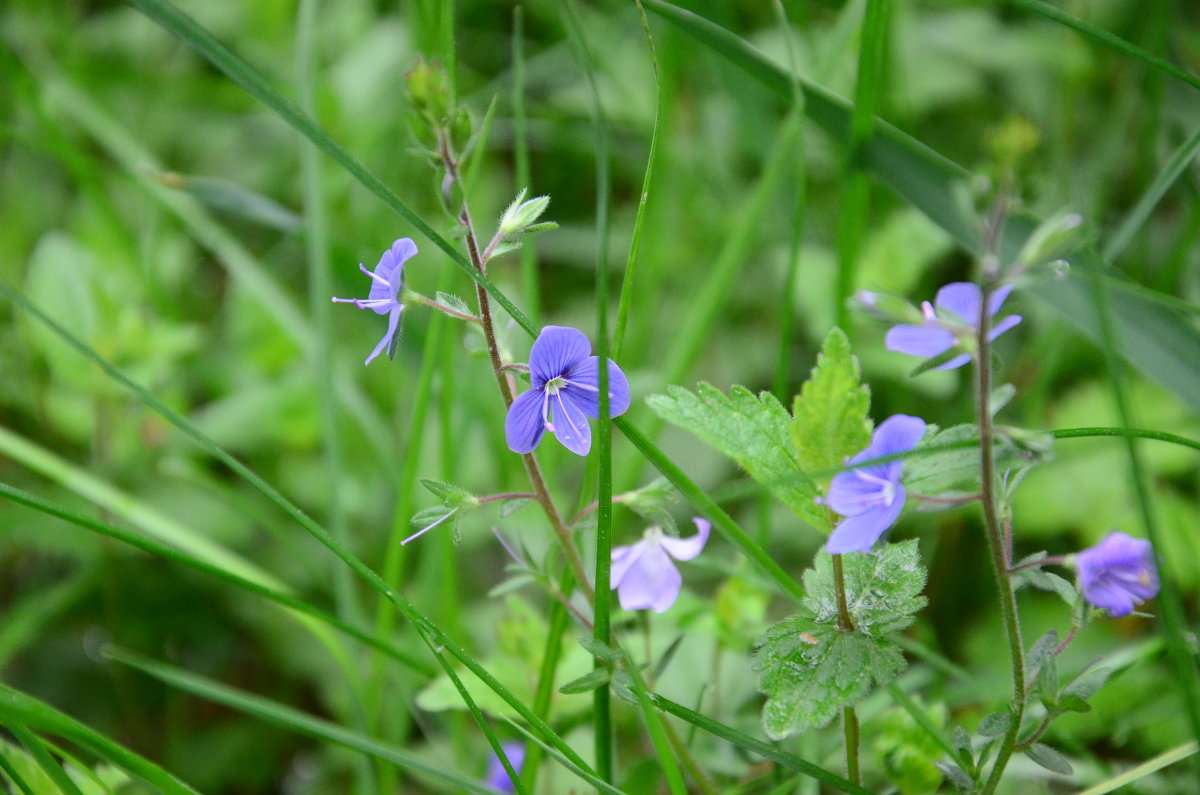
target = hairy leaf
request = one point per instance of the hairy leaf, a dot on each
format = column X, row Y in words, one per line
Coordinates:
column 883, row 588
column 753, row 431
column 830, row 413
column 810, row 671
column 1048, row 758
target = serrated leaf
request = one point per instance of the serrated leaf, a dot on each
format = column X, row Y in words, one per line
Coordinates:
column 957, row 776
column 830, row 419
column 1048, row 758
column 809, row 672
column 995, row 724
column 753, row 431
column 597, row 677
column 1047, row 581
column 883, row 587
column 454, row 302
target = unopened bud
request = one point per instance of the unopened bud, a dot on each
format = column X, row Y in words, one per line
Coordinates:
column 522, row 214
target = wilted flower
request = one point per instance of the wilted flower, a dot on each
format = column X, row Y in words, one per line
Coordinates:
column 497, row 777
column 871, row 497
column 643, row 574
column 386, row 282
column 955, row 320
column 565, row 393
column 1118, row 573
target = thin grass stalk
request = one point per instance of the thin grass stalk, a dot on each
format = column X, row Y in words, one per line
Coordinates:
column 530, row 287
column 1174, row 623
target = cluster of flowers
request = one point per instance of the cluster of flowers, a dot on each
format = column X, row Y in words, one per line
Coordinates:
column 1115, row 575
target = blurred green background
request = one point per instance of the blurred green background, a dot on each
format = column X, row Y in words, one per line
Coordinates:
column 155, row 210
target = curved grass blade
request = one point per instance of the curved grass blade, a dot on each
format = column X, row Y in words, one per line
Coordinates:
column 631, row 262
column 294, row 720
column 763, row 749
column 1135, row 774
column 37, row 749
column 184, row 559
column 242, row 73
column 1104, row 37
column 19, row 708
column 1180, row 159
column 709, row 508
column 440, row 641
column 13, row 775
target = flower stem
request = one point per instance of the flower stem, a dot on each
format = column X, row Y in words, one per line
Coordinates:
column 995, row 534
column 541, row 493
column 849, row 717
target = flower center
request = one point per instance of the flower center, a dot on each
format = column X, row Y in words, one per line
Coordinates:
column 887, row 489
column 653, row 534
column 555, row 384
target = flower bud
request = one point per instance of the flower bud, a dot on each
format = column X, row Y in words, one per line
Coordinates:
column 522, row 214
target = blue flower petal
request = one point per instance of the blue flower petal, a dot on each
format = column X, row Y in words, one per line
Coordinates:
column 570, row 424
column 523, row 427
column 997, row 298
column 961, row 298
column 859, row 533
column 1118, row 573
column 556, row 350
column 919, row 340
column 583, row 387
column 851, row 494
column 688, row 548
column 899, row 433
column 1004, row 325
column 650, row 581
column 393, row 321
column 391, row 270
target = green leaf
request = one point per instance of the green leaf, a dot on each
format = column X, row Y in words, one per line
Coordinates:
column 830, row 413
column 238, row 200
column 809, row 672
column 1042, row 666
column 958, row 777
column 1048, row 758
column 597, row 677
column 454, row 302
column 753, row 431
column 1079, row 691
column 995, row 724
column 883, row 588
column 1047, row 581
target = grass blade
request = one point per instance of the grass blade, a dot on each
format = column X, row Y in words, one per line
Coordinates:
column 37, row 749
column 1134, row 774
column 294, row 720
column 1107, row 39
column 1120, row 239
column 19, row 708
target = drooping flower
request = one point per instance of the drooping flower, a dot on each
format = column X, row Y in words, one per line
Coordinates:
column 497, row 777
column 565, row 393
column 384, row 298
column 643, row 574
column 1118, row 573
column 955, row 319
column 871, row 497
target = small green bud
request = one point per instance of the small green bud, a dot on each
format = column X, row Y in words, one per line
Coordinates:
column 1052, row 239
column 522, row 214
column 429, row 88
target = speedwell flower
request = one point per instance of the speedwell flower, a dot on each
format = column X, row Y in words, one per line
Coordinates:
column 956, row 318
column 386, row 282
column 1118, row 573
column 565, row 393
column 871, row 497
column 497, row 777
column 643, row 574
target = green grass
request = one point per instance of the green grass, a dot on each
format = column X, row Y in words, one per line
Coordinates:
column 183, row 186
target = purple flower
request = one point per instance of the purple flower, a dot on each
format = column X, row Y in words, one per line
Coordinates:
column 956, row 318
column 565, row 393
column 643, row 574
column 384, row 298
column 497, row 777
column 1118, row 573
column 871, row 497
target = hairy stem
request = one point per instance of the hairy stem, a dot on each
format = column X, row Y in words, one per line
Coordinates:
column 534, row 470
column 849, row 717
column 996, row 537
